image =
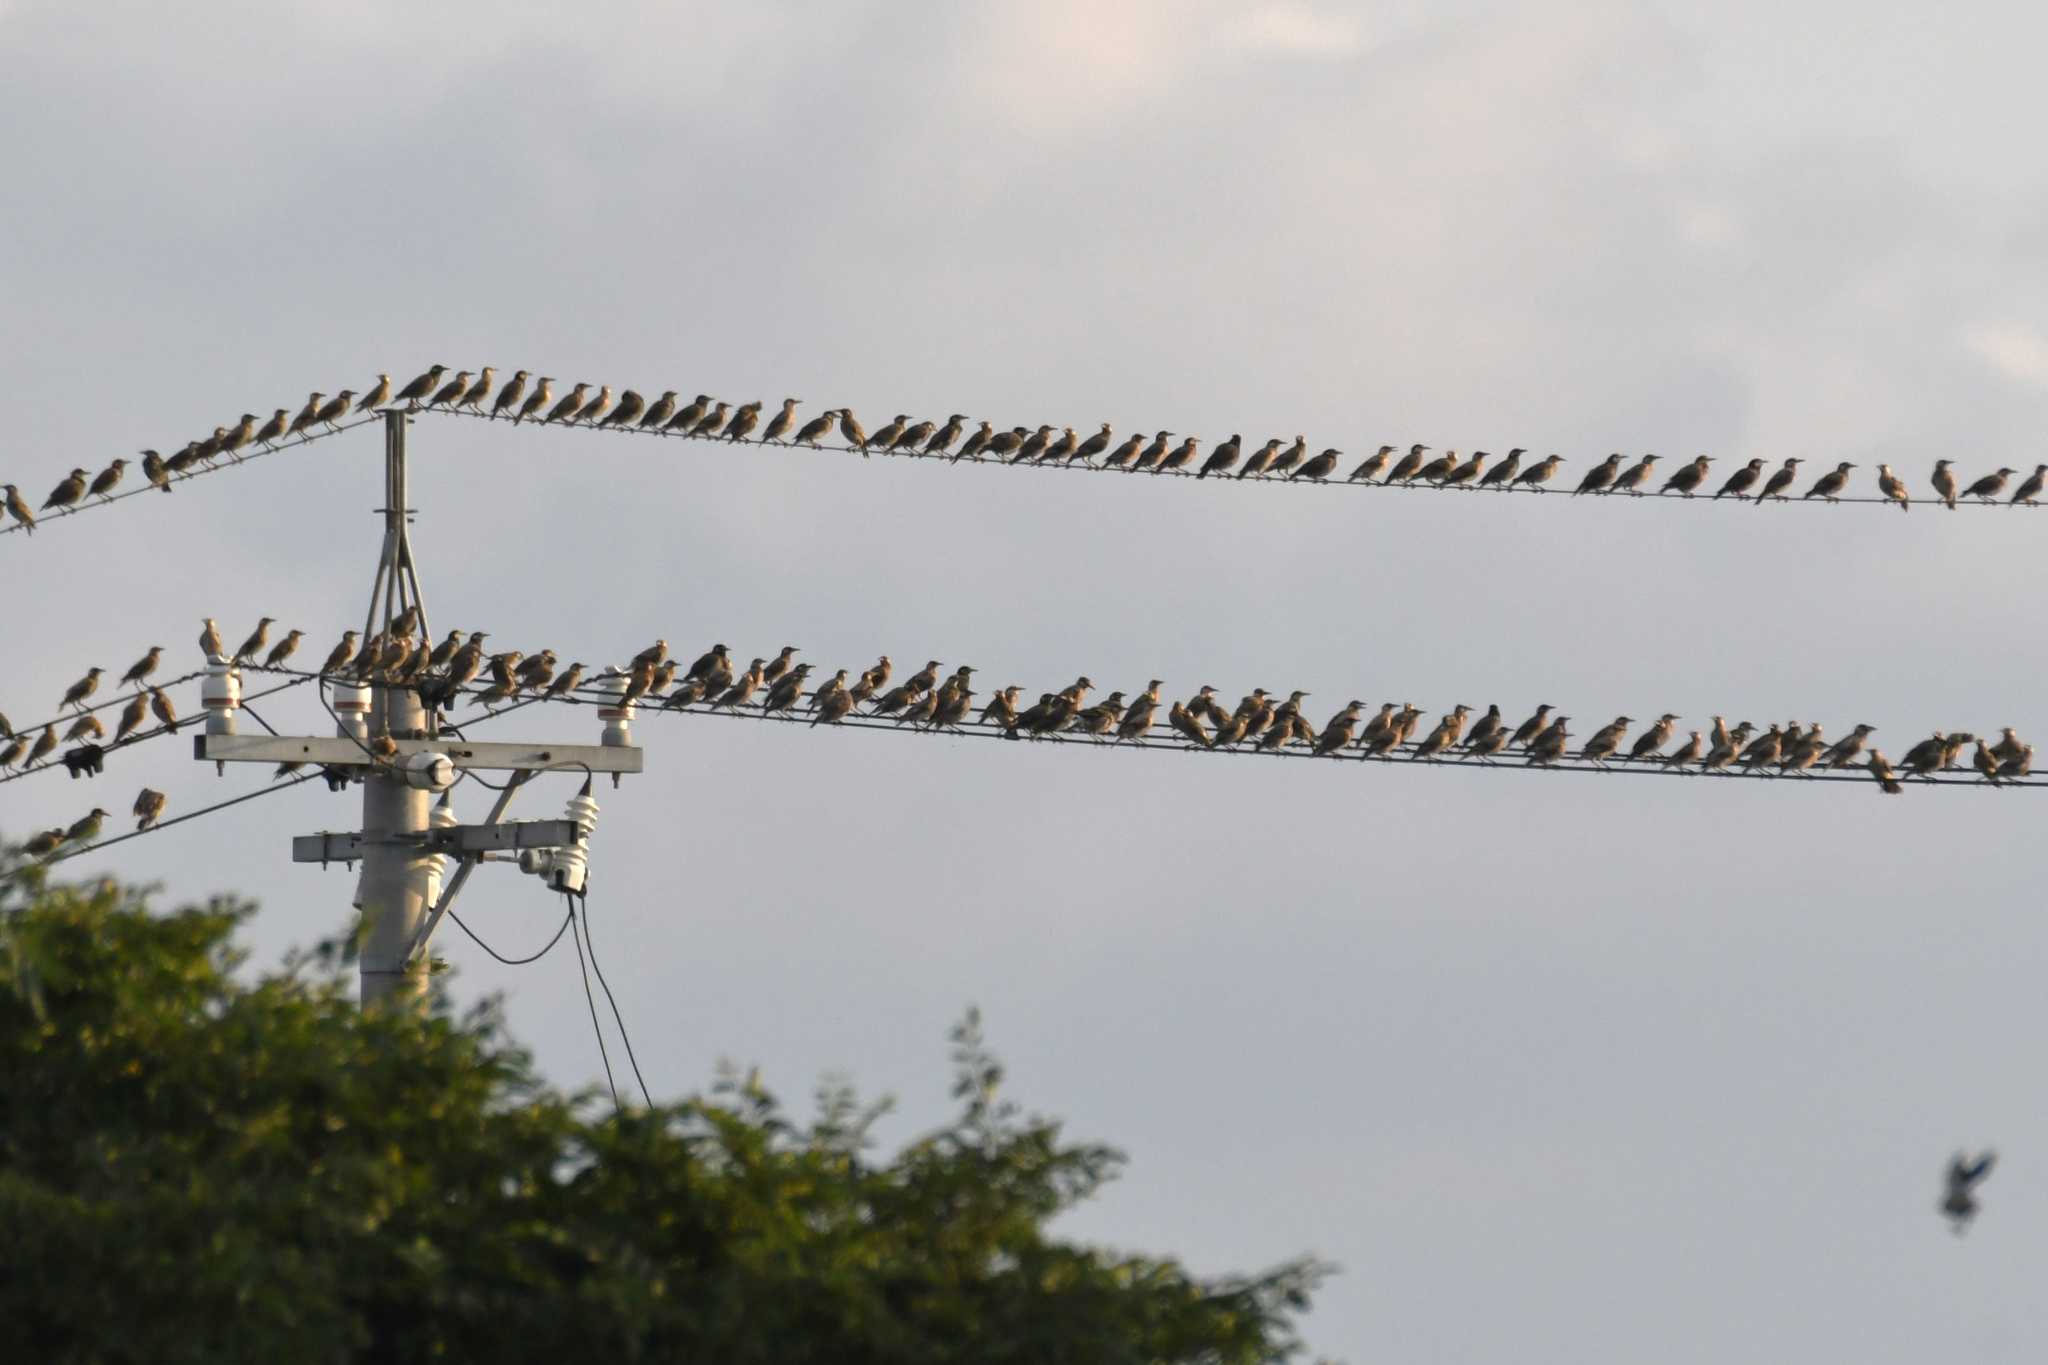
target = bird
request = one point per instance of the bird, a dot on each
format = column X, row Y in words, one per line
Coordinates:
column 1631, row 479
column 1126, row 452
column 451, row 391
column 2008, row 746
column 330, row 415
column 709, row 662
column 2018, row 765
column 627, row 413
column 308, row 415
column 75, row 695
column 1881, row 770
column 1959, row 1188
column 1531, row 727
column 782, row 421
column 1990, row 486
column 1448, row 728
column 85, row 727
column 1539, row 473
column 818, row 426
column 595, row 408
column 149, row 806
column 1485, row 728
column 86, row 828
column 1548, row 747
column 1137, row 719
column 253, row 646
column 1985, row 764
column 1764, row 750
column 45, row 744
column 1034, row 446
column 566, row 410
column 1154, row 451
column 338, row 657
column 244, row 431
column 156, row 471
column 1889, row 484
column 742, row 422
column 132, row 716
column 11, row 755
column 1369, row 468
column 1848, row 748
column 18, row 508
column 787, row 690
column 1504, row 473
column 1742, row 480
column 685, row 421
column 1685, row 753
column 1436, row 469
column 565, row 682
column 422, row 388
column 850, row 429
column 742, row 690
column 972, row 447
column 1261, row 458
column 1465, row 473
column 1335, row 734
column 2030, row 489
column 1221, row 458
column 378, row 396
column 1830, row 484
column 1182, row 455
column 1923, row 758
column 67, row 492
column 1605, row 741
column 1319, row 468
column 912, row 438
column 779, row 665
column 209, row 641
column 708, row 424
column 537, row 401
column 1687, row 477
column 1286, row 461
column 890, row 430
column 507, row 402
column 1651, row 740
column 284, row 649
column 1093, row 446
column 1599, row 476
column 1944, row 481
column 1780, row 480
column 140, row 670
column 1405, row 468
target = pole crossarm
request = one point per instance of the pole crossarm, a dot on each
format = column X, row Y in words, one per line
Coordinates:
column 508, row 837
column 348, row 753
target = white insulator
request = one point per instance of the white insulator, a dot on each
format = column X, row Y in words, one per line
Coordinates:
column 221, row 695
column 616, row 715
column 442, row 817
column 571, row 870
column 352, row 705
column 429, row 772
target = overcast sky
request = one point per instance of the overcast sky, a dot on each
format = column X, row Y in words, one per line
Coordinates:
column 1554, row 1068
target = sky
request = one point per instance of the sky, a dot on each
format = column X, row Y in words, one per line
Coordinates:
column 1551, row 1068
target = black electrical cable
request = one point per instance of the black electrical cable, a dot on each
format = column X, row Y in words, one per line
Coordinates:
column 512, row 961
column 624, row 1037
column 591, row 1000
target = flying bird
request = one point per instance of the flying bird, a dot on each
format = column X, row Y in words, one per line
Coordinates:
column 1959, row 1188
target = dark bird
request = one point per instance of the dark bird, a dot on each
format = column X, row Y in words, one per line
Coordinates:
column 1540, row 473
column 1651, row 740
column 507, row 402
column 596, row 407
column 87, row 827
column 1687, row 478
column 1485, row 728
column 378, row 396
column 284, row 649
column 783, row 420
column 1742, row 480
column 1061, row 448
column 1335, row 734
column 107, row 478
column 2031, row 488
column 75, row 695
column 786, row 690
column 941, row 440
column 1001, row 710
column 743, row 422
column 1549, row 746
column 1830, row 484
column 1531, row 727
column 1136, row 722
column 339, row 656
column 1154, row 451
column 566, row 410
column 1436, row 470
column 818, row 426
column 1847, row 749
column 422, row 388
column 708, row 663
column 1923, row 758
column 631, row 406
column 831, row 710
column 712, row 422
column 779, row 665
column 1286, row 461
column 253, row 646
column 1781, row 479
column 140, row 670
column 330, row 415
column 1605, row 741
column 1882, row 771
column 850, row 429
column 692, row 413
column 244, row 431
column 1034, row 446
column 1221, row 458
column 1504, row 473
column 1944, row 481
column 1889, row 484
column 1631, row 479
column 156, row 471
column 1599, row 476
column 1465, row 473
column 1318, row 468
column 1005, row 442
column 565, row 682
column 273, row 431
column 659, row 411
column 543, row 391
column 886, row 437
column 1182, row 455
column 1408, row 465
column 132, row 716
column 447, row 393
column 11, row 756
column 972, row 447
column 1369, row 468
column 149, row 807
column 1261, row 458
column 911, row 438
column 1959, row 1188
column 1990, row 486
column 67, row 492
column 45, row 744
column 1688, row 752
column 1448, row 728
column 1093, row 446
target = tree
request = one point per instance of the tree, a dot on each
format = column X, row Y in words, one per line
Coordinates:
column 199, row 1164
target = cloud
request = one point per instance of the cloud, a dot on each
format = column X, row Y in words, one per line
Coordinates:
column 2014, row 349
column 1295, row 29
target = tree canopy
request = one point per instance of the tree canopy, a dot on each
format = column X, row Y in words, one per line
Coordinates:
column 202, row 1163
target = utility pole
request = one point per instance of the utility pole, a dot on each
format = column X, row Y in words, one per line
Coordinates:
column 406, row 839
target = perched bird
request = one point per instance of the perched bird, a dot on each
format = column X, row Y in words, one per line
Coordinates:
column 832, row 709
column 1780, row 480
column 1186, row 725
column 308, row 415
column 18, row 508
column 103, row 483
column 1286, row 461
column 709, row 662
column 1687, row 477
column 1531, row 727
column 149, row 806
column 1484, row 747
column 1889, row 484
column 1848, row 748
column 1137, row 719
column 160, row 707
column 543, row 392
column 1959, row 1188
column 1600, row 475
column 1408, row 465
column 45, row 745
column 330, row 415
column 1830, row 484
column 972, row 447
column 1631, row 479
column 209, row 641
column 1764, row 750
column 1549, row 746
column 565, row 682
column 1742, row 480
column 1882, row 771
column 850, row 429
column 1984, row 763
column 1944, row 481
column 339, row 656
column 1126, row 452
column 787, row 690
column 1154, row 452
column 1319, row 468
column 1001, row 710
column 156, row 471
column 1651, row 740
column 566, row 410
column 659, row 411
column 2030, row 489
column 1182, row 455
column 1221, row 458
column 595, row 408
column 1261, row 458
column 1436, row 469
column 692, row 413
column 1336, row 733
column 1990, row 486
column 11, row 755
column 253, row 646
column 1504, row 473
column 422, row 388
column 818, row 426
column 378, row 396
column 1485, row 728
column 284, row 649
column 780, row 423
column 67, row 492
column 2018, row 765
column 631, row 405
column 1369, row 468
column 886, row 437
column 140, row 670
column 132, row 716
column 382, row 747
column 87, row 827
column 75, row 695
column 85, row 727
column 1685, row 753
column 1448, row 728
column 1093, row 446
column 742, row 423
column 1465, row 473
column 1605, row 741
column 1034, row 446
column 779, row 665
column 1539, row 473
column 712, row 422
column 742, row 690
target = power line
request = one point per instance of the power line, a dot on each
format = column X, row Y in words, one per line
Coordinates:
column 154, row 732
column 624, row 1037
column 514, row 961
column 591, row 1000
column 63, row 854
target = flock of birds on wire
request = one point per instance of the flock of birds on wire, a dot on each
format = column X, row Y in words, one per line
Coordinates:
column 931, row 698
column 524, row 398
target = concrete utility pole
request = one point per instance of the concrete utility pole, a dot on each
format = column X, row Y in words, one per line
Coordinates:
column 406, row 839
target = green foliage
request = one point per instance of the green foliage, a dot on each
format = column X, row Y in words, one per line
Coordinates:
column 198, row 1165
